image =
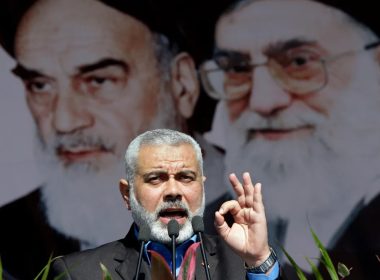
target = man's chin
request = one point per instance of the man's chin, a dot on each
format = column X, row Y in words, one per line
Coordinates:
column 159, row 232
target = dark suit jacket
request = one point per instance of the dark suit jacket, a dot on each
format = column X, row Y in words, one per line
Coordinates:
column 120, row 258
column 27, row 240
column 359, row 244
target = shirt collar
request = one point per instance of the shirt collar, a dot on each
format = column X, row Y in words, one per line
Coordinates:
column 165, row 251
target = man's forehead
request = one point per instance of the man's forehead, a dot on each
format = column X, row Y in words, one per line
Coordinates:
column 58, row 28
column 271, row 49
column 69, row 58
column 254, row 27
column 156, row 156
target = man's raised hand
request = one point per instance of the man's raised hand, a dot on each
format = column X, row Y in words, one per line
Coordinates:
column 248, row 236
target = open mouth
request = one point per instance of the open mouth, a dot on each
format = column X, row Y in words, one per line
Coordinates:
column 173, row 213
column 178, row 214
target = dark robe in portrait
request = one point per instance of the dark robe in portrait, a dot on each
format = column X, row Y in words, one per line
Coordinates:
column 27, row 240
column 358, row 247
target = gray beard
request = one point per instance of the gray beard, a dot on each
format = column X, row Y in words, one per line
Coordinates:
column 83, row 201
column 316, row 181
column 306, row 187
column 86, row 206
column 158, row 230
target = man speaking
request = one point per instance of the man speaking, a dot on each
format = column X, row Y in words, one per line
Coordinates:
column 165, row 182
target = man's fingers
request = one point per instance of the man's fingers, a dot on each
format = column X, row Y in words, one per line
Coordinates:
column 258, row 198
column 239, row 190
column 231, row 206
column 221, row 225
column 248, row 189
column 219, row 219
column 257, row 190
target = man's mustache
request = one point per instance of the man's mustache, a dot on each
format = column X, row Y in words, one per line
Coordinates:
column 283, row 121
column 172, row 204
column 80, row 141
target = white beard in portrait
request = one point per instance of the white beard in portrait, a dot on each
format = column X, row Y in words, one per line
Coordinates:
column 317, row 180
column 83, row 201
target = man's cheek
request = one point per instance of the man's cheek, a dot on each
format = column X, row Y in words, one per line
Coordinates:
column 45, row 129
column 235, row 108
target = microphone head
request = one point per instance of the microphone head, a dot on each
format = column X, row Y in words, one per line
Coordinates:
column 198, row 225
column 144, row 234
column 173, row 228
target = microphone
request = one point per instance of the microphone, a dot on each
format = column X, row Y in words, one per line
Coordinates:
column 199, row 228
column 173, row 231
column 144, row 236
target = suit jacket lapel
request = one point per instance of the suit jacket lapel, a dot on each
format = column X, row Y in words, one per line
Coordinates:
column 127, row 257
column 212, row 258
column 127, row 268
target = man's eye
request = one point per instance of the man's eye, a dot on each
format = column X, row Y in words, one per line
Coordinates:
column 97, row 81
column 102, row 86
column 39, row 86
column 154, row 179
column 40, row 91
column 157, row 179
column 186, row 178
column 299, row 59
column 302, row 60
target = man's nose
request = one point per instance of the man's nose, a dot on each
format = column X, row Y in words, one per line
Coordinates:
column 173, row 190
column 266, row 97
column 71, row 114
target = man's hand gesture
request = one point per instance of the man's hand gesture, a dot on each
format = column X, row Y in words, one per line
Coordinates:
column 248, row 236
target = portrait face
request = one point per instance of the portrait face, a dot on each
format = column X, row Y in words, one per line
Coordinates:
column 281, row 80
column 93, row 82
column 299, row 100
column 168, row 185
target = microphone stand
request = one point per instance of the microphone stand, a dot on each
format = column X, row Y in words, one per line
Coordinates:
column 138, row 267
column 144, row 236
column 173, row 254
column 198, row 228
column 207, row 271
column 173, row 231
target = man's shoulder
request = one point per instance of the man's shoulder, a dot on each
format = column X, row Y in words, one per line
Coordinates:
column 32, row 199
column 94, row 253
column 88, row 263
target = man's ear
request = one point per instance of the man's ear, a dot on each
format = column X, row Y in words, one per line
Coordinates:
column 185, row 85
column 124, row 190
